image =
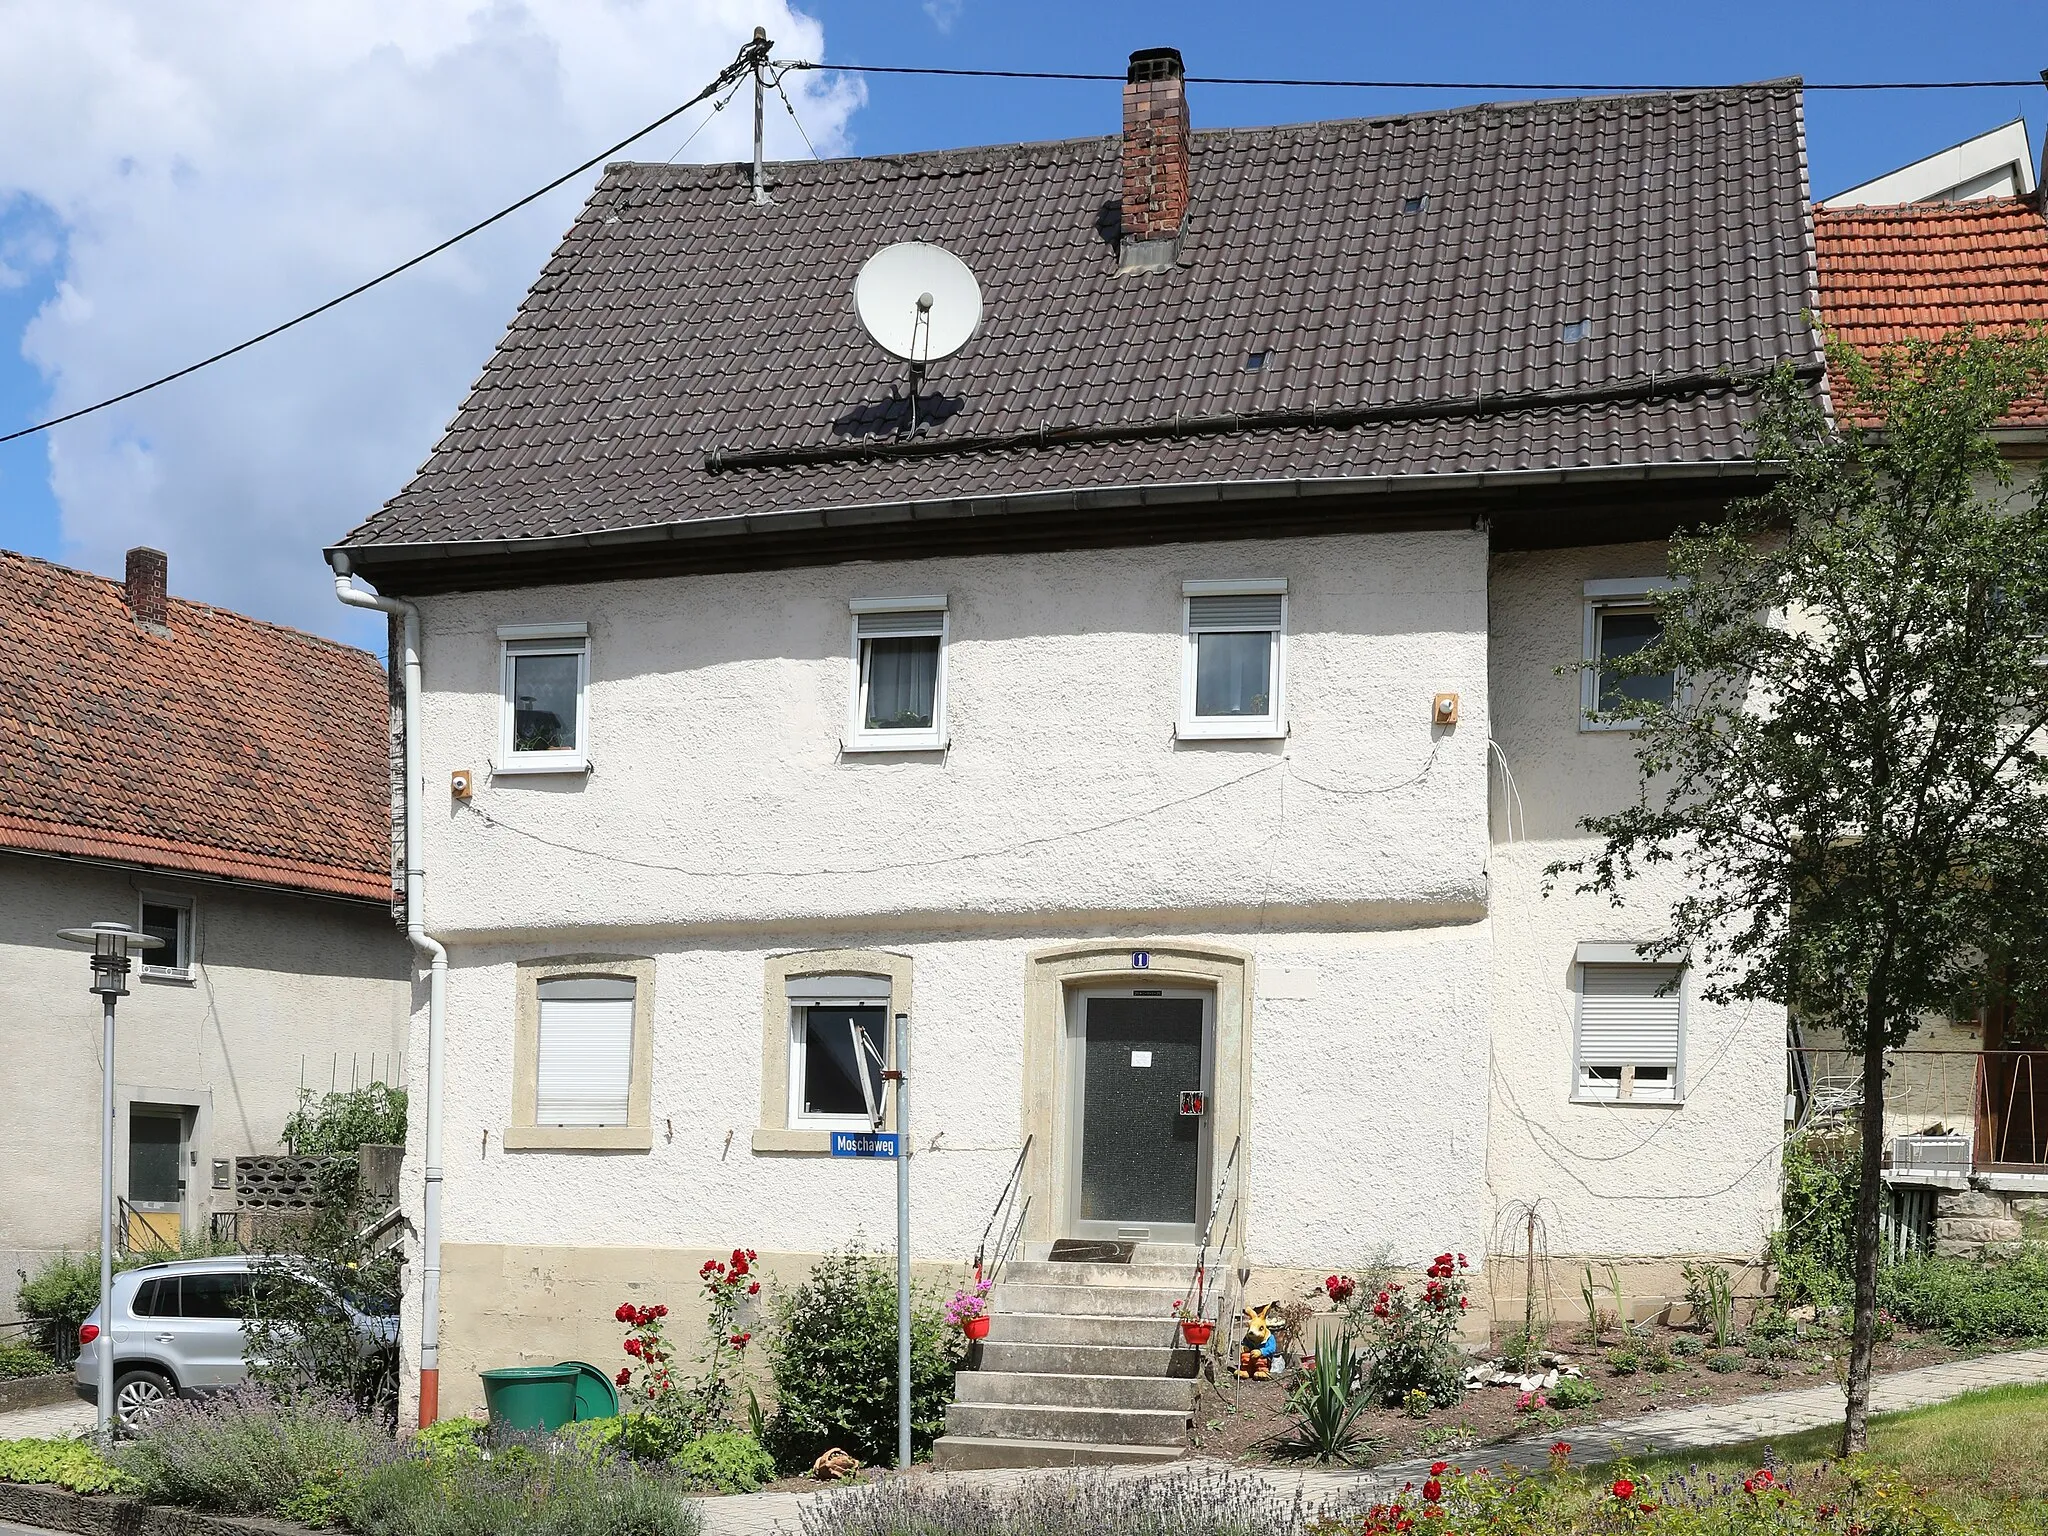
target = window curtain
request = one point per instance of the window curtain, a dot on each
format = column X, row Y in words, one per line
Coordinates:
column 903, row 677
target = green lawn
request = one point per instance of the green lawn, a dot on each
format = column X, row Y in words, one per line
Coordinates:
column 1985, row 1455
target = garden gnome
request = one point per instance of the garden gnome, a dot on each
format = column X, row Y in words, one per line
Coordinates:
column 1256, row 1351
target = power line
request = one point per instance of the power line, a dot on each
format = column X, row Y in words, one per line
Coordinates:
column 1417, row 85
column 753, row 53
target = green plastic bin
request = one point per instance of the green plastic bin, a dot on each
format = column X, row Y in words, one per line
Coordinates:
column 539, row 1397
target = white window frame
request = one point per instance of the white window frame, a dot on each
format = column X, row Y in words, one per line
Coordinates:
column 1624, row 1093
column 152, row 968
column 859, row 738
column 1273, row 723
column 806, row 992
column 568, row 639
column 1626, row 592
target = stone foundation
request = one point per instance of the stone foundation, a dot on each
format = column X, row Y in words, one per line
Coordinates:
column 1973, row 1223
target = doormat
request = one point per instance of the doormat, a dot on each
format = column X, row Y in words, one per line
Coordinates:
column 1080, row 1250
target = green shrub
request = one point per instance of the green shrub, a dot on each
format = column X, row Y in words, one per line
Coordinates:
column 72, row 1464
column 725, row 1460
column 19, row 1360
column 458, row 1440
column 1970, row 1301
column 1574, row 1392
column 57, row 1298
column 339, row 1124
column 1412, row 1343
column 248, row 1453
column 1722, row 1361
column 1625, row 1360
column 833, row 1354
column 1814, row 1251
column 521, row 1489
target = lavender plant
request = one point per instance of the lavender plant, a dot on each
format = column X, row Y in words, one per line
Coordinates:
column 1220, row 1504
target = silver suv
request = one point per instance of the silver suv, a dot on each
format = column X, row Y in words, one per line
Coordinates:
column 178, row 1332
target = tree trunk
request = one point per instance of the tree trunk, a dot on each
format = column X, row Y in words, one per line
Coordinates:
column 1869, row 1195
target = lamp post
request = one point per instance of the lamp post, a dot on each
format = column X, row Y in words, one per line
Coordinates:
column 111, row 945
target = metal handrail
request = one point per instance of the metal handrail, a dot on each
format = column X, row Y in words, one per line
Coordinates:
column 1226, row 1190
column 129, row 1216
column 1007, row 1224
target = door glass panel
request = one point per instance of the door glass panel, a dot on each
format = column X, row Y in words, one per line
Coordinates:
column 153, row 1144
column 1140, row 1156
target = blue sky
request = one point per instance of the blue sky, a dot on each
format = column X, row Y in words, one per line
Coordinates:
column 245, row 517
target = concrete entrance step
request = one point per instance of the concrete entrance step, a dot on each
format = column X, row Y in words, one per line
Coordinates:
column 1087, row 1300
column 966, row 1453
column 1177, row 1278
column 1152, row 1332
column 1089, row 1360
column 1102, row 1426
column 1076, row 1391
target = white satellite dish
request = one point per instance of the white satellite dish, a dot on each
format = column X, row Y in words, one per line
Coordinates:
column 919, row 302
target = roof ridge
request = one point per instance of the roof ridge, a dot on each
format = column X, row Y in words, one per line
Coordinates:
column 192, row 602
column 1228, row 131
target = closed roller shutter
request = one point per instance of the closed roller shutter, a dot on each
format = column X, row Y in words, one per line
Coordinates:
column 584, row 1068
column 872, row 626
column 1623, row 1022
column 1235, row 612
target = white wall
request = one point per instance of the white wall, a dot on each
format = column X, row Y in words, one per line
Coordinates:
column 283, row 986
column 718, row 702
column 1614, row 1180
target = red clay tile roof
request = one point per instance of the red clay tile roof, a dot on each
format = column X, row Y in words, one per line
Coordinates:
column 1889, row 274
column 227, row 748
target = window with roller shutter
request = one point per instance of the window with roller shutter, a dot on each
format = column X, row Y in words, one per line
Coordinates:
column 1631, row 1032
column 1233, row 663
column 584, row 1060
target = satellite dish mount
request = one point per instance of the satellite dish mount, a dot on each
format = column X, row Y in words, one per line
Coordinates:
column 920, row 304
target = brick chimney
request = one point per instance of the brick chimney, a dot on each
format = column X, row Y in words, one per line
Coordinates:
column 1155, row 188
column 149, row 589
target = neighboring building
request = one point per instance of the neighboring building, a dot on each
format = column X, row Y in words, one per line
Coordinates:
column 1104, row 725
column 1995, row 164
column 224, row 785
column 1979, row 1085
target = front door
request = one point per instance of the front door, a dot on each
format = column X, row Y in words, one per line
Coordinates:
column 156, row 1179
column 1140, row 1059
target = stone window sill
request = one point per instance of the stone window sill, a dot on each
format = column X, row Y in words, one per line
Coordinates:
column 577, row 1138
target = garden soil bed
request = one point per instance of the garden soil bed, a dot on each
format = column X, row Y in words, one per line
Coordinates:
column 1240, row 1421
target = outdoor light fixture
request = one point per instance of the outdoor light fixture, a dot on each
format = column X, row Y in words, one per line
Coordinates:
column 112, row 943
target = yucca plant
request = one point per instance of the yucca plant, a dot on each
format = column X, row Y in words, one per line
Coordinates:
column 1327, row 1405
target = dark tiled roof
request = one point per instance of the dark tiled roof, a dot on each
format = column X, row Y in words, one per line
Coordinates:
column 686, row 356
column 1924, row 269
column 228, row 747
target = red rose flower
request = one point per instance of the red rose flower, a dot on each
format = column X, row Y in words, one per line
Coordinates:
column 1439, row 1468
column 754, row 1289
column 1624, row 1490
column 624, row 1378
column 660, row 1311
column 625, row 1312
column 1562, row 1449
column 1432, row 1490
column 633, row 1347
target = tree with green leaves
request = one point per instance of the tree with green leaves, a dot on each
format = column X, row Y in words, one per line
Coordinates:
column 1851, row 776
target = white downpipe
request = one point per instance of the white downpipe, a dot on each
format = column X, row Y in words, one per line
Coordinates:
column 436, row 957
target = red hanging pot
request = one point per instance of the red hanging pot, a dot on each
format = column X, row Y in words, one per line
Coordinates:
column 1196, row 1331
column 976, row 1327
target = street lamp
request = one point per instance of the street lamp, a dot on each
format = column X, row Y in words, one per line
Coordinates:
column 111, row 945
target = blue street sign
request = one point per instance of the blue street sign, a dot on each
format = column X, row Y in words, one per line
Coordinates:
column 863, row 1144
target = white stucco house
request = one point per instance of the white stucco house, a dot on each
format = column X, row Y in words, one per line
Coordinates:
column 1175, row 725
column 223, row 785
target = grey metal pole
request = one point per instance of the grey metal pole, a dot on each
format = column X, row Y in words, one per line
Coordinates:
column 902, row 1240
column 105, row 1416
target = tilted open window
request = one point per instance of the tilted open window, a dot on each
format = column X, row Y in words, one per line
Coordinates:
column 838, row 1044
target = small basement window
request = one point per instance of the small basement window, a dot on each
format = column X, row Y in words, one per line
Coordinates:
column 168, row 918
column 1630, row 1032
column 899, row 674
column 584, row 1057
column 1233, row 658
column 1621, row 620
column 545, row 705
column 838, row 1042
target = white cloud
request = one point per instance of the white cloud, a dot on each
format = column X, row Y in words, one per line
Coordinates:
column 197, row 172
column 943, row 13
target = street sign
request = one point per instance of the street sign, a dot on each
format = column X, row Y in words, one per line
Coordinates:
column 863, row 1144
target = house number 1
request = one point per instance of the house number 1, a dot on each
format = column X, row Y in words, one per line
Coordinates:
column 1141, row 960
